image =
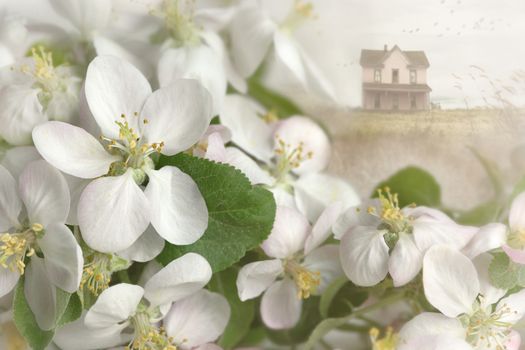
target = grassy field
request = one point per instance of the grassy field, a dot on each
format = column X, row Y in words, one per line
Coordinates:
column 370, row 146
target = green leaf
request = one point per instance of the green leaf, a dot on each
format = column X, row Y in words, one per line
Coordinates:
column 72, row 312
column 25, row 321
column 480, row 215
column 340, row 298
column 240, row 215
column 242, row 313
column 504, row 273
column 309, row 318
column 413, row 185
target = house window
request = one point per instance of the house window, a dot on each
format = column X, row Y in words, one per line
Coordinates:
column 377, row 75
column 395, row 101
column 395, row 76
column 413, row 102
column 413, row 76
column 377, row 101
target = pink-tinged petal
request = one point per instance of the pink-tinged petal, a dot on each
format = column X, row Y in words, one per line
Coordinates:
column 178, row 115
column 197, row 319
column 112, row 213
column 516, row 255
column 114, row 306
column 288, row 235
column 252, row 34
column 10, row 203
column 178, row 211
column 298, row 130
column 405, row 260
column 364, row 255
column 179, row 279
column 72, row 150
column 114, row 87
column 45, row 193
column 254, row 278
column 450, row 280
column 489, row 237
column 280, row 306
column 513, row 341
column 517, row 213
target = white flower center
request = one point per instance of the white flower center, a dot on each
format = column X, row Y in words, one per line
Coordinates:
column 484, row 327
column 134, row 153
column 179, row 24
column 15, row 247
column 289, row 157
column 306, row 281
column 147, row 336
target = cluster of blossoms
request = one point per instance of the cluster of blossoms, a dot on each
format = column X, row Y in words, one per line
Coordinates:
column 93, row 114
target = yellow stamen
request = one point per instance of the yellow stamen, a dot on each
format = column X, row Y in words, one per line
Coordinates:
column 388, row 342
column 306, row 281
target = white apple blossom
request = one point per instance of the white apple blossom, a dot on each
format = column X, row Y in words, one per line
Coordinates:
column 33, row 91
column 13, row 35
column 256, row 29
column 113, row 210
column 300, row 266
column 381, row 238
column 32, row 216
column 474, row 314
column 173, row 295
column 513, row 239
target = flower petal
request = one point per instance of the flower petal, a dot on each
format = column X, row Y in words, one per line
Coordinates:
column 62, row 257
column 254, row 278
column 112, row 213
column 287, row 53
column 197, row 319
column 512, row 308
column 251, row 35
column 288, row 234
column 249, row 131
column 280, row 306
column 430, row 231
column 315, row 191
column 76, row 187
column 324, row 260
column 517, row 213
column 8, row 280
column 16, row 159
column 198, row 62
column 76, row 335
column 40, row 294
column 179, row 279
column 431, row 323
column 322, row 229
column 72, row 150
column 491, row 294
column 21, row 111
column 114, row 305
column 113, row 88
column 248, row 166
column 178, row 211
column 450, row 280
column 364, row 256
column 356, row 216
column 86, row 16
column 45, row 193
column 178, row 115
column 405, row 260
column 145, row 248
column 516, row 255
column 491, row 236
column 10, row 203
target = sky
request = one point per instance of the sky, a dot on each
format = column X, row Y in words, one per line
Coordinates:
column 467, row 43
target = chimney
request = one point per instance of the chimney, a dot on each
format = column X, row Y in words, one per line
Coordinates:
column 386, row 47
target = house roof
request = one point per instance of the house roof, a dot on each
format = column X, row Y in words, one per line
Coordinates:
column 396, row 87
column 374, row 58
